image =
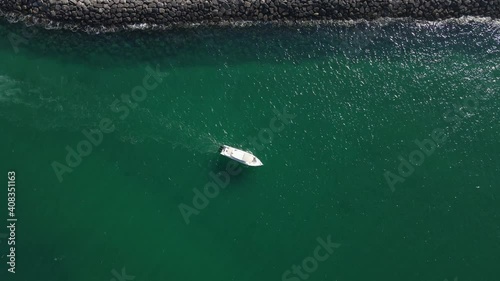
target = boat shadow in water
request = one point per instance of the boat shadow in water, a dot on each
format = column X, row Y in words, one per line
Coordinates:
column 221, row 167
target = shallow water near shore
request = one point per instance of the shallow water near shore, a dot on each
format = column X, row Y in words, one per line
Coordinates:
column 360, row 94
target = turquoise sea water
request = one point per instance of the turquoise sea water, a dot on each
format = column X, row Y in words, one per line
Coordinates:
column 360, row 95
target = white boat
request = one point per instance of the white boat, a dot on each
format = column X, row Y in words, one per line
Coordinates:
column 241, row 156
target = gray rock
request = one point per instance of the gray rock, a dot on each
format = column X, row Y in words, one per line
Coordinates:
column 180, row 12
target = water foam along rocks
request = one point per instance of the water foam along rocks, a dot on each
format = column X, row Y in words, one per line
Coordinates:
column 84, row 13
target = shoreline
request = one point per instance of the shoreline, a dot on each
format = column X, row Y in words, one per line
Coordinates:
column 123, row 14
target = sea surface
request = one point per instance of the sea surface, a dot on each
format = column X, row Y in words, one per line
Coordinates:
column 382, row 137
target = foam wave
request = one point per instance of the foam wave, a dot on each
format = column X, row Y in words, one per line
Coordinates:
column 9, row 90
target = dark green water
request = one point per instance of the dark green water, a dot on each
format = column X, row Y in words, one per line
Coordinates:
column 360, row 95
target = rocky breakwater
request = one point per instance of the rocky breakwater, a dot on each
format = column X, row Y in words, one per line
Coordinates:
column 187, row 12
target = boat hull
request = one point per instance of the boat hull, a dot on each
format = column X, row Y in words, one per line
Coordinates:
column 239, row 155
